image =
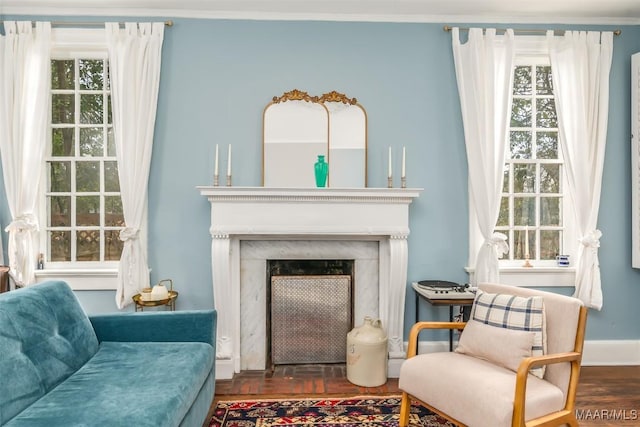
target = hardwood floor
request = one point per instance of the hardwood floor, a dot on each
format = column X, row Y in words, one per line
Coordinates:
column 607, row 395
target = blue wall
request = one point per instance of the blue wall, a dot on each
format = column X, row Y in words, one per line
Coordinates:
column 218, row 75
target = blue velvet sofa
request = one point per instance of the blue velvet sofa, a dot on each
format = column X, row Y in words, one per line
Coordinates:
column 59, row 367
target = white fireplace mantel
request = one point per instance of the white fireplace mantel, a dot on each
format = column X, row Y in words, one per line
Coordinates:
column 259, row 213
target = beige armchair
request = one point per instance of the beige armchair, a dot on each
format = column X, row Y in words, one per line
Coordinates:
column 494, row 377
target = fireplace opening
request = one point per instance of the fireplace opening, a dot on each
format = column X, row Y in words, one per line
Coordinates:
column 309, row 310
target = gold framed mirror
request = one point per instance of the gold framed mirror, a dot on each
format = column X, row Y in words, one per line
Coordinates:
column 298, row 127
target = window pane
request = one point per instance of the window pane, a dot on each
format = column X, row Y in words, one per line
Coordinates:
column 91, row 74
column 88, row 176
column 547, row 145
column 521, row 113
column 519, row 247
column 91, row 108
column 503, row 218
column 91, row 142
column 62, row 108
column 111, row 182
column 522, row 80
column 549, row 244
column 505, row 181
column 88, row 245
column 544, row 83
column 60, row 178
column 59, row 246
column 520, row 144
column 524, row 211
column 549, row 211
column 113, row 245
column 113, row 211
column 549, row 178
column 109, row 113
column 59, row 206
column 88, row 210
column 546, row 113
column 524, row 178
column 111, row 145
column 62, row 142
column 62, row 74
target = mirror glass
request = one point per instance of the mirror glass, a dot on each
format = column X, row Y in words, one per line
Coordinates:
column 298, row 127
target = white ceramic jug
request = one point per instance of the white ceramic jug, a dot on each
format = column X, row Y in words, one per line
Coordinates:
column 367, row 354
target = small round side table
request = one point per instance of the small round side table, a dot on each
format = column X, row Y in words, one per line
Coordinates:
column 169, row 302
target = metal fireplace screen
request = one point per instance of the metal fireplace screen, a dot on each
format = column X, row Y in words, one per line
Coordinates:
column 310, row 318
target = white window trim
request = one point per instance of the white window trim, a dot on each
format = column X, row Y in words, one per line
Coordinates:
column 543, row 273
column 68, row 43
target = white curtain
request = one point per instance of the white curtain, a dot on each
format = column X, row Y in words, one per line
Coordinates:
column 581, row 62
column 134, row 59
column 484, row 72
column 24, row 119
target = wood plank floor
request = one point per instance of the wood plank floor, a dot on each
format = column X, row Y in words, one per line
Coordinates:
column 607, row 396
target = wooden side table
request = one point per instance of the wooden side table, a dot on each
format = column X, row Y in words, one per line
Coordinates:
column 458, row 301
column 169, row 302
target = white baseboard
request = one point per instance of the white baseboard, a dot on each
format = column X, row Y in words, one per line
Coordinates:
column 596, row 353
column 611, row 353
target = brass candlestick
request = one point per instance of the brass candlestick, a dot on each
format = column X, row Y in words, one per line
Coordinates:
column 216, row 180
column 527, row 264
column 390, row 182
column 228, row 180
column 403, row 182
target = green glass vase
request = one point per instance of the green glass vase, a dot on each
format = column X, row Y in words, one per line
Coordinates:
column 321, row 169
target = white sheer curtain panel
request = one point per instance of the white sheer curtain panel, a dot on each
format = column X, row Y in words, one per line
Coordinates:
column 484, row 72
column 581, row 62
column 134, row 60
column 24, row 119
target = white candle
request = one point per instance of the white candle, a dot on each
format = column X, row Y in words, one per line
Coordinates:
column 229, row 162
column 526, row 241
column 390, row 162
column 404, row 153
column 216, row 166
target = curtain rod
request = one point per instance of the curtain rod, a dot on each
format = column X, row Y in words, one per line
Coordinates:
column 168, row 23
column 535, row 31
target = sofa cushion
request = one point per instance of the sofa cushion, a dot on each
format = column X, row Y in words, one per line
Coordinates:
column 127, row 383
column 515, row 313
column 456, row 378
column 481, row 340
column 45, row 337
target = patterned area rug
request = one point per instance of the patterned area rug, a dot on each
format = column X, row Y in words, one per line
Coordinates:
column 332, row 412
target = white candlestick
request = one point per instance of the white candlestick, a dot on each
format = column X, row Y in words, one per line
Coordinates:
column 390, row 162
column 526, row 241
column 229, row 162
column 216, row 166
column 404, row 153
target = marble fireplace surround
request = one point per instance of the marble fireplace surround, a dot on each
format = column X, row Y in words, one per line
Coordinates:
column 250, row 225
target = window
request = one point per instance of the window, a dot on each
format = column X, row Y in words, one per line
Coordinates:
column 83, row 205
column 532, row 200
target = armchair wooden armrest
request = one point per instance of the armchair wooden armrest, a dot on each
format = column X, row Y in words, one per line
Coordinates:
column 412, row 347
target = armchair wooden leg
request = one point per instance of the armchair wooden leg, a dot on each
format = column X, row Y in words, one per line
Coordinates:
column 405, row 410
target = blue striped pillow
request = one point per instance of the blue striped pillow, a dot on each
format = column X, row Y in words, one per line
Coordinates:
column 516, row 313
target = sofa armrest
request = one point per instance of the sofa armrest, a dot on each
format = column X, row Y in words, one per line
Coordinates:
column 163, row 326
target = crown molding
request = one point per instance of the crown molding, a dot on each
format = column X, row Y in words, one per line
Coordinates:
column 388, row 11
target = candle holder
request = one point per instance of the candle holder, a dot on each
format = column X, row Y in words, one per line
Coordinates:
column 390, row 182
column 527, row 264
column 403, row 182
column 216, row 180
column 228, row 180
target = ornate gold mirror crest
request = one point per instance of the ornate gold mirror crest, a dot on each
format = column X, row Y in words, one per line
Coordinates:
column 298, row 127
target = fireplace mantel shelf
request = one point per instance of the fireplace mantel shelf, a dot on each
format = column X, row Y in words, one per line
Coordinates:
column 320, row 217
column 315, row 195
